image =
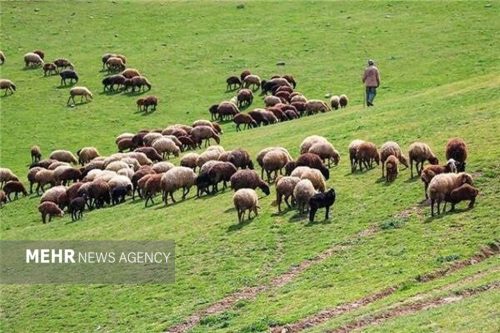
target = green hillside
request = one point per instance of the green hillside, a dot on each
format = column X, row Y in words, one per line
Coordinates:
column 439, row 68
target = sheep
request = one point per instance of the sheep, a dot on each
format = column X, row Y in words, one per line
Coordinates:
column 67, row 175
column 457, row 149
column 15, row 187
column 441, row 186
column 166, row 146
column 137, row 82
column 87, row 154
column 366, row 154
column 130, row 73
column 176, row 178
column 53, row 194
column 57, row 164
column 465, row 192
column 206, row 133
column 107, row 56
column 7, row 85
column 252, row 81
column 151, row 153
column 189, row 160
column 208, row 155
column 240, row 159
column 256, row 115
column 94, row 164
column 44, row 177
column 420, row 152
column 284, row 188
column 320, row 200
column 298, row 98
column 49, row 209
column 227, row 109
column 137, row 177
column 273, row 84
column 244, row 97
column 127, row 172
column 221, row 172
column 244, row 74
column 245, row 119
column 274, row 161
column 431, row 170
column 313, row 161
column 201, row 122
column 268, row 117
column 263, row 152
column 43, row 163
column 92, row 175
column 2, row 58
column 285, row 88
column 141, row 158
column 335, row 102
column 32, row 60
column 76, row 208
column 149, row 101
column 271, row 100
column 7, row 175
column 68, row 74
column 353, row 149
column 150, row 137
column 105, row 175
column 116, row 165
column 49, row 69
column 313, row 175
column 112, row 80
column 63, row 156
column 233, row 82
column 213, row 110
column 291, row 114
column 79, row 91
column 326, row 152
column 246, row 178
column 125, row 144
column 303, row 192
column 284, row 96
column 391, row 167
column 115, row 64
column 99, row 193
column 63, row 63
column 343, row 101
column 290, row 80
column 3, row 198
column 314, row 106
column 162, row 167
column 119, row 193
column 245, row 199
column 124, row 136
column 31, row 176
column 391, row 148
column 118, row 181
column 36, row 154
column 309, row 141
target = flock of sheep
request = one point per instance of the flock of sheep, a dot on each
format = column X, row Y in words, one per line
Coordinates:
column 139, row 168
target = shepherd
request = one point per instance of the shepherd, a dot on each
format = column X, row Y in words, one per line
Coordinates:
column 371, row 80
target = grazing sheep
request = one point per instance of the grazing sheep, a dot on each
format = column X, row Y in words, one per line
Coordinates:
column 87, row 154
column 252, row 81
column 245, row 119
column 99, row 193
column 2, row 58
column 7, row 175
column 298, row 98
column 119, row 193
column 244, row 74
column 49, row 69
column 49, row 209
column 431, row 170
column 291, row 114
column 206, row 133
column 366, row 154
column 290, row 80
column 273, row 84
column 107, row 56
column 335, row 102
column 3, row 198
column 67, row 175
column 15, row 187
column 57, row 164
column 284, row 96
column 314, row 106
column 43, row 163
column 213, row 110
column 68, row 74
column 214, row 174
column 189, row 160
column 226, row 110
column 391, row 148
column 240, row 158
column 343, row 101
column 208, row 155
column 244, row 97
column 303, row 192
column 125, row 144
column 162, row 167
column 271, row 100
column 63, row 156
column 138, row 82
column 457, row 149
column 112, row 80
column 285, row 88
column 320, row 200
column 120, row 181
column 44, row 177
column 141, row 158
column 115, row 64
column 79, row 91
column 147, row 102
column 76, row 208
column 53, row 194
column 63, row 63
column 166, row 146
column 268, row 117
column 116, row 165
column 124, row 136
column 130, row 73
column 40, row 53
column 151, row 153
column 309, row 141
column 326, row 152
column 353, row 148
column 284, row 188
column 262, row 154
column 246, row 178
column 233, row 82
column 441, row 186
column 420, row 152
column 137, row 177
column 150, row 137
column 245, row 199
column 465, row 192
column 36, row 154
column 31, row 176
column 202, row 122
column 32, row 60
column 313, row 175
column 391, row 168
column 313, row 161
column 7, row 85
column 176, row 178
column 274, row 161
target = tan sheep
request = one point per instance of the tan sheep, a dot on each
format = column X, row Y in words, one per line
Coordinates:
column 32, row 60
column 274, row 161
column 314, row 175
column 87, row 154
column 271, row 100
column 177, row 178
column 252, row 81
column 420, row 152
column 63, row 156
column 309, row 141
column 44, row 177
column 166, row 147
column 162, row 167
column 189, row 160
column 325, row 151
column 432, row 170
column 7, row 175
column 441, row 186
column 208, row 155
column 7, row 85
column 245, row 199
column 302, row 192
column 353, row 149
column 391, row 148
column 314, row 106
column 79, row 91
column 284, row 188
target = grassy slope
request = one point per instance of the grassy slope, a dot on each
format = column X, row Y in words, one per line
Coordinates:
column 438, row 82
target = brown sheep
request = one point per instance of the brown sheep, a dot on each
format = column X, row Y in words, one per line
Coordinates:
column 353, row 149
column 125, row 144
column 7, row 85
column 431, row 170
column 465, row 192
column 244, row 74
column 244, row 97
column 252, row 81
column 227, row 110
column 246, row 178
column 205, row 133
column 63, row 63
column 15, row 187
column 240, row 159
column 147, row 102
column 245, row 119
column 115, row 64
column 2, row 58
column 420, row 152
column 391, row 148
column 391, row 166
column 366, row 154
column 49, row 69
column 457, row 149
column 443, row 184
column 36, row 154
column 139, row 82
column 130, row 73
column 314, row 106
column 233, row 82
column 49, row 209
column 343, row 101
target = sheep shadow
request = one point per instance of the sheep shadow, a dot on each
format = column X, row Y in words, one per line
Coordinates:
column 135, row 93
column 316, row 222
column 68, row 85
column 240, row 225
column 5, row 95
column 412, row 180
column 31, row 68
column 77, row 104
column 297, row 217
column 110, row 92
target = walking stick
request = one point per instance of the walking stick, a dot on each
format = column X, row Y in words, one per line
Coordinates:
column 364, row 97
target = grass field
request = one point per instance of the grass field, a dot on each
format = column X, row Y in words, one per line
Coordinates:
column 439, row 67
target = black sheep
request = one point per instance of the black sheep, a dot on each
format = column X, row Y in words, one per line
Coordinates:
column 233, row 82
column 76, row 207
column 320, row 200
column 118, row 194
column 68, row 74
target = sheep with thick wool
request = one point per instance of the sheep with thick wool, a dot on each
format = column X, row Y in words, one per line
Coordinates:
column 63, row 156
column 189, row 160
column 87, row 154
column 284, row 189
column 166, row 147
column 79, row 91
column 391, row 148
column 177, row 178
column 204, row 133
column 465, row 192
column 274, row 161
column 432, row 170
column 32, row 59
column 246, row 178
column 366, row 154
column 7, row 175
column 53, row 194
column 309, row 141
column 420, row 152
column 326, row 152
column 303, row 192
column 162, row 167
column 44, row 177
column 456, row 148
column 391, row 168
column 441, row 186
column 245, row 199
column 49, row 209
column 314, row 175
column 208, row 155
column 15, row 187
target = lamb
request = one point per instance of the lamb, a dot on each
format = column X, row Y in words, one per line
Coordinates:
column 326, row 152
column 115, row 64
column 441, row 186
column 245, row 199
column 63, row 156
column 252, row 81
column 245, row 119
column 366, row 154
column 457, row 149
column 162, row 167
column 233, row 82
column 15, row 187
column 7, row 85
column 314, row 106
column 63, row 63
column 343, row 101
column 320, row 200
column 313, row 161
column 246, row 178
column 176, row 178
column 271, row 100
column 227, row 109
column 99, row 193
column 53, row 194
column 119, row 193
column 87, row 154
column 303, row 192
column 68, row 74
column 391, row 148
column 200, row 133
column 36, row 154
column 3, row 198
column 431, row 170
column 49, row 209
column 137, row 82
column 240, row 159
column 335, row 102
column 284, row 188
column 76, row 208
column 130, row 73
column 79, row 91
column 166, row 146
column 7, row 175
column 420, row 152
column 112, row 80
column 189, row 160
column 149, row 101
column 391, row 167
column 44, row 177
column 49, row 69
column 32, row 60
column 313, row 175
column 274, row 161
column 309, row 141
column 465, row 192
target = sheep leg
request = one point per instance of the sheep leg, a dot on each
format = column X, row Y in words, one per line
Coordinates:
column 240, row 212
column 471, row 203
column 70, row 98
column 172, row 197
column 439, row 207
column 327, row 212
column 411, row 167
column 383, row 169
column 287, row 203
column 185, row 192
column 312, row 212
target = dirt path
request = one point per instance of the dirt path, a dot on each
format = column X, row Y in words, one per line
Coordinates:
column 279, row 281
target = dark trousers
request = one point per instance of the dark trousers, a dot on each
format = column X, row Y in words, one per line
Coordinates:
column 371, row 92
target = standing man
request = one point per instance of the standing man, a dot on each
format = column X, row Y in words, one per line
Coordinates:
column 371, row 79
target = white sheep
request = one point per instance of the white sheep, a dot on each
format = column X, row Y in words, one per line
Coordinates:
column 117, row 165
column 309, row 141
column 162, row 167
column 33, row 60
column 165, row 146
column 176, row 178
column 127, row 172
column 441, row 186
column 245, row 199
column 302, row 192
column 63, row 156
column 79, row 91
column 119, row 180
